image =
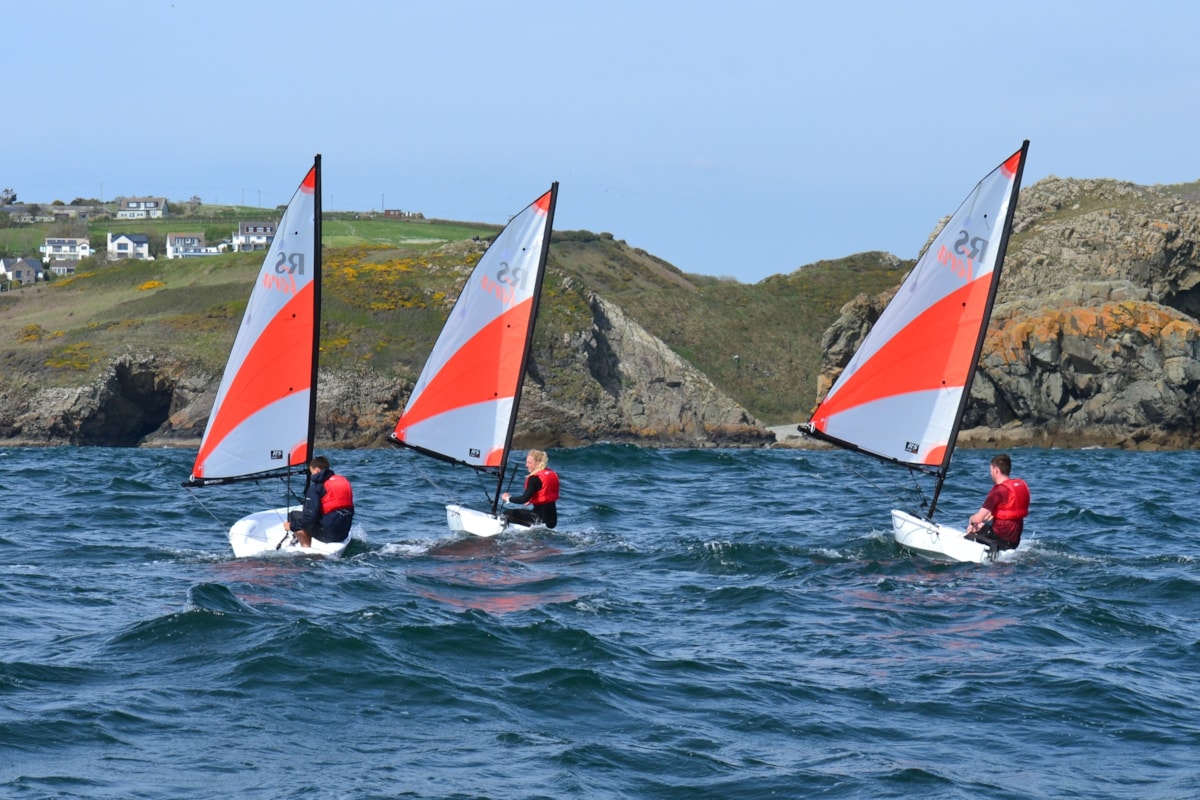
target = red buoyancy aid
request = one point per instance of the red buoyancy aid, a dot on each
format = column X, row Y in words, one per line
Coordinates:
column 1016, row 502
column 338, row 494
column 549, row 491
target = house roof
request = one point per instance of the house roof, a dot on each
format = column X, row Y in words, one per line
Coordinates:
column 125, row 201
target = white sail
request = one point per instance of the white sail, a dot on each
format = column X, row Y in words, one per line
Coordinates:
column 261, row 420
column 463, row 403
column 463, row 407
column 902, row 394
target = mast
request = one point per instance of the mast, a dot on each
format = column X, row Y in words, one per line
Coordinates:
column 533, row 314
column 987, row 316
column 316, row 333
column 316, row 336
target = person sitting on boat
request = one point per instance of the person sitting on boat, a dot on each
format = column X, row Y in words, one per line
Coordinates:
column 328, row 507
column 541, row 492
column 1002, row 518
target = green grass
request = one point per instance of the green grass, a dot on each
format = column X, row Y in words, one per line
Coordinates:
column 774, row 327
column 23, row 241
column 389, row 287
column 340, row 232
column 339, row 229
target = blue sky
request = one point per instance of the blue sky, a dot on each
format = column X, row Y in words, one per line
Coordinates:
column 737, row 139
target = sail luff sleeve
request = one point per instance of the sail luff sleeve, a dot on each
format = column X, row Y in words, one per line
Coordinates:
column 316, row 336
column 547, row 229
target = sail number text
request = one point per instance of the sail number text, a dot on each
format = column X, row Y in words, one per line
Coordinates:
column 287, row 267
column 968, row 251
column 508, row 280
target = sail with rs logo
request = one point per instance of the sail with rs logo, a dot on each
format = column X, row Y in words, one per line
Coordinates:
column 463, row 406
column 902, row 396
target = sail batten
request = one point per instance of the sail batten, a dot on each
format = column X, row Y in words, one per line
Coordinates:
column 902, row 396
column 463, row 406
column 263, row 418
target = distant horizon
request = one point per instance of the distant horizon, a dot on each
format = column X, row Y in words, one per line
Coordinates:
column 21, row 201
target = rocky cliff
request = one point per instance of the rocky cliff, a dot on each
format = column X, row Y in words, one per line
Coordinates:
column 1094, row 338
column 612, row 381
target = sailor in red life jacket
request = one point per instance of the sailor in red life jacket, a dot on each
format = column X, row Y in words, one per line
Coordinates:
column 328, row 507
column 541, row 491
column 1002, row 517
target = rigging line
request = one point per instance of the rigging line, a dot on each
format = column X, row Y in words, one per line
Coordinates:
column 289, row 495
column 200, row 503
column 449, row 498
column 264, row 494
column 881, row 490
column 920, row 492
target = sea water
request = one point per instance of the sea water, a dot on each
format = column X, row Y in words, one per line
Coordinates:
column 704, row 624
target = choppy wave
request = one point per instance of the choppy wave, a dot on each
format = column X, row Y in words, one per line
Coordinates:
column 705, row 623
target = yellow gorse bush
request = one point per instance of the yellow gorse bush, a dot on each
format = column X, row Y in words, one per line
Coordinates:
column 359, row 277
column 79, row 356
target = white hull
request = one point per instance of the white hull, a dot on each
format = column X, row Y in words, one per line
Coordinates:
column 262, row 534
column 481, row 523
column 936, row 541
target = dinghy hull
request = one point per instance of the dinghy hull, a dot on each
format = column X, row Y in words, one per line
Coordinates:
column 262, row 534
column 480, row 523
column 930, row 539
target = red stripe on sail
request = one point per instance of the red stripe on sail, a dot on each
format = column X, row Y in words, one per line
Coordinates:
column 935, row 455
column 543, row 204
column 934, row 351
column 309, row 184
column 278, row 364
column 1009, row 168
column 495, row 351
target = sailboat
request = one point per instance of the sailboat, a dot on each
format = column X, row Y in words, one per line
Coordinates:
column 463, row 407
column 902, row 397
column 262, row 422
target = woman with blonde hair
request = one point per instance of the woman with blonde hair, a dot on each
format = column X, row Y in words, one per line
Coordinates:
column 541, row 492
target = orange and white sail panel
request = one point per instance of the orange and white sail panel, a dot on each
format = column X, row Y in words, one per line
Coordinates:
column 462, row 405
column 900, row 396
column 261, row 418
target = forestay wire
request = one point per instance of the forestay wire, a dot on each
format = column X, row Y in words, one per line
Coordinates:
column 267, row 500
column 447, row 497
column 888, row 493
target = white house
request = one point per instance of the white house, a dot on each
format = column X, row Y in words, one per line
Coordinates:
column 65, row 248
column 128, row 245
column 253, row 236
column 20, row 270
column 188, row 245
column 141, row 207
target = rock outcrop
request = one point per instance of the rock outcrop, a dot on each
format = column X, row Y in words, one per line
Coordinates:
column 611, row 381
column 638, row 389
column 1094, row 339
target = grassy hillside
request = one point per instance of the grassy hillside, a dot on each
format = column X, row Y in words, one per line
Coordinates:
column 390, row 283
column 760, row 343
column 341, row 229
